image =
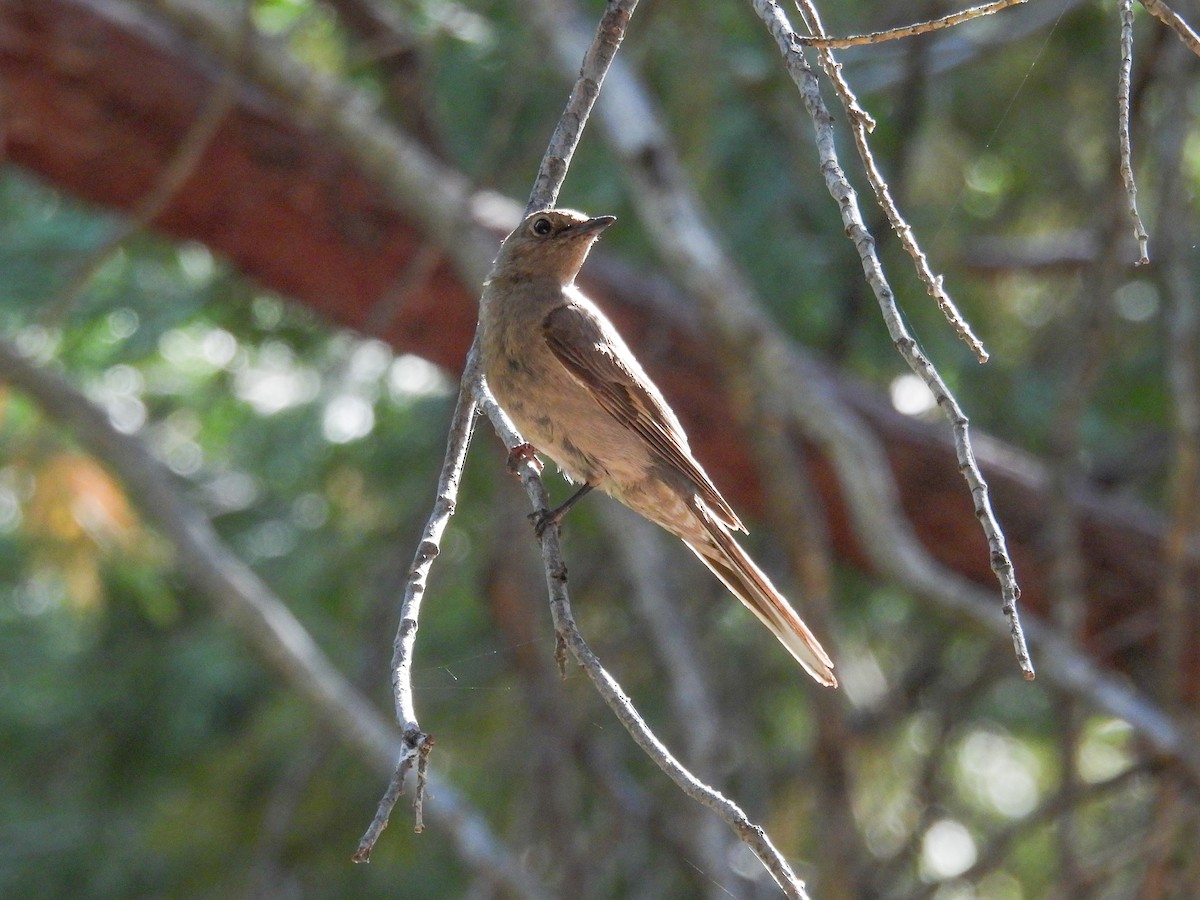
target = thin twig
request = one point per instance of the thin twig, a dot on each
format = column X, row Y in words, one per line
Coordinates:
column 416, row 743
column 215, row 574
column 861, row 125
column 1175, row 22
column 903, row 31
column 839, row 187
column 1139, row 230
column 383, row 813
column 882, row 69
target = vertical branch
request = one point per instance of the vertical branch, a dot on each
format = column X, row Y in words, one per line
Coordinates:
column 599, row 56
column 461, row 427
column 1123, row 78
column 416, row 744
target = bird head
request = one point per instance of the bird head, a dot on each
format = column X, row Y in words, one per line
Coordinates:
column 550, row 243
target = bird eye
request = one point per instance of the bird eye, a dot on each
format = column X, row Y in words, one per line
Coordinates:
column 542, row 226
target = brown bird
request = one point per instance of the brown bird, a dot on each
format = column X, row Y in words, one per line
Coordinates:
column 573, row 388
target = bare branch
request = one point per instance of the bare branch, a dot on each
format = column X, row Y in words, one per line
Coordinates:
column 903, row 31
column 949, row 50
column 557, row 159
column 777, row 23
column 383, row 813
column 861, row 125
column 1175, row 22
column 1139, row 230
column 416, row 743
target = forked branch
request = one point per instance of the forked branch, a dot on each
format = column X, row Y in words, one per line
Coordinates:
column 839, row 187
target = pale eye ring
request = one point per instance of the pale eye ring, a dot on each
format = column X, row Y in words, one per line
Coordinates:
column 542, row 226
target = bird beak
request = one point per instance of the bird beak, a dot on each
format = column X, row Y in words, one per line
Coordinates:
column 594, row 225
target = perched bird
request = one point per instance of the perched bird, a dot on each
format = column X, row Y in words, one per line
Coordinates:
column 557, row 366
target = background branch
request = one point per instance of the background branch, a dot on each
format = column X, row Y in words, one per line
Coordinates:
column 1127, row 178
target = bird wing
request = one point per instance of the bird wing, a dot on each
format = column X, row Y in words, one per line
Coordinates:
column 585, row 344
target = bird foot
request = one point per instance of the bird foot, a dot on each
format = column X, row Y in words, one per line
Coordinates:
column 544, row 518
column 522, row 453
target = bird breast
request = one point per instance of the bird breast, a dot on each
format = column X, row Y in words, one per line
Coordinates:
column 551, row 409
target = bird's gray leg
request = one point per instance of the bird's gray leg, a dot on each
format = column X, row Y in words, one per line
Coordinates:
column 547, row 517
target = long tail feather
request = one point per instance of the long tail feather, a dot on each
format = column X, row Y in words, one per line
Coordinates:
column 730, row 563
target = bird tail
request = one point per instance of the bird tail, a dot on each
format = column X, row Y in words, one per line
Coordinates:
column 738, row 572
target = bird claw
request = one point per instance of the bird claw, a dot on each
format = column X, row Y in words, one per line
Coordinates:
column 525, row 452
column 543, row 519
